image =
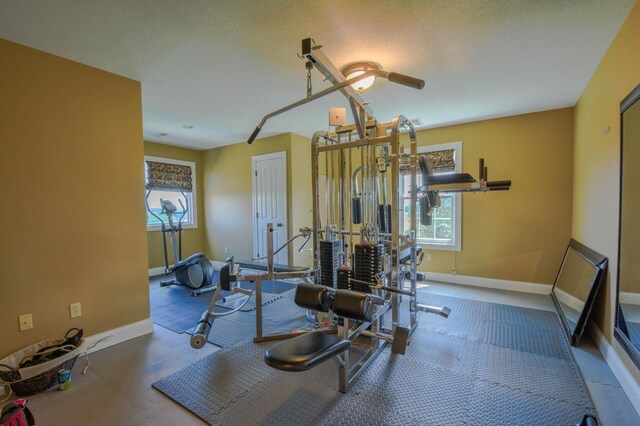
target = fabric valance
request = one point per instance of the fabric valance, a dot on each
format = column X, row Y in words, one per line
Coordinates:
column 168, row 177
column 442, row 161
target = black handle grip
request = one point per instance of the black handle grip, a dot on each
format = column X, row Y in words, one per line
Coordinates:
column 254, row 135
column 499, row 185
column 406, row 80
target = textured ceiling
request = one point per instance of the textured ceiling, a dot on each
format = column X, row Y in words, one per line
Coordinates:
column 220, row 66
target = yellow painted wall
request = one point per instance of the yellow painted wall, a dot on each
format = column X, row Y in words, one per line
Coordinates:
column 192, row 239
column 596, row 161
column 301, row 198
column 227, row 195
column 73, row 227
column 520, row 234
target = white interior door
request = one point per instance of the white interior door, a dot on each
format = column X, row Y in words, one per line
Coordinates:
column 270, row 203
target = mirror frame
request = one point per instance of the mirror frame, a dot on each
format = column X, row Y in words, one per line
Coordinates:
column 600, row 262
column 632, row 351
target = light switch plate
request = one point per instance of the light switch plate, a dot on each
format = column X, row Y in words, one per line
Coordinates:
column 26, row 322
column 75, row 310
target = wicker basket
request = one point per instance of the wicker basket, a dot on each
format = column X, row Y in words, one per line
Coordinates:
column 33, row 380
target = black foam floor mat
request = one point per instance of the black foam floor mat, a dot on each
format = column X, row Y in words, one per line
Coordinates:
column 517, row 370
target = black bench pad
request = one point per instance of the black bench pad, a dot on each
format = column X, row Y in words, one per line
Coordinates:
column 449, row 178
column 262, row 266
column 305, row 352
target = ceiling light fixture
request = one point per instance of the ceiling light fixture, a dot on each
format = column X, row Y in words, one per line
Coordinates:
column 357, row 68
column 188, row 126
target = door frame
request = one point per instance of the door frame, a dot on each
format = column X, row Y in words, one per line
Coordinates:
column 282, row 155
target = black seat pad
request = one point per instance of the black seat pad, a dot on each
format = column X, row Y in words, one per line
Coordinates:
column 305, row 352
column 262, row 266
column 449, row 178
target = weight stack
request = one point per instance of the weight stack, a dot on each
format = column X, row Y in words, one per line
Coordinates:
column 344, row 273
column 368, row 264
column 329, row 251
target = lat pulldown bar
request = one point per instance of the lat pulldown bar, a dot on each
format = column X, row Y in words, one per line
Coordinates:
column 343, row 86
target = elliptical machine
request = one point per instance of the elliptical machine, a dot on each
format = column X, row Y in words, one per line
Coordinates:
column 195, row 271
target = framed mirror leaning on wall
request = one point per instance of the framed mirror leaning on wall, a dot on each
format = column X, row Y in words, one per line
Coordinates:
column 627, row 330
column 576, row 286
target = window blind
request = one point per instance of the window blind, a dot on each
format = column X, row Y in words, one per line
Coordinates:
column 168, row 177
column 442, row 161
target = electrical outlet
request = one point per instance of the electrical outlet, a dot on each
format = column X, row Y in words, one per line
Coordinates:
column 75, row 309
column 226, row 250
column 26, row 322
column 428, row 256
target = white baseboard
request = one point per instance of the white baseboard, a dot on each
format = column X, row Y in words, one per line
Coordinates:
column 156, row 271
column 629, row 298
column 118, row 335
column 160, row 269
column 628, row 383
column 521, row 286
column 569, row 300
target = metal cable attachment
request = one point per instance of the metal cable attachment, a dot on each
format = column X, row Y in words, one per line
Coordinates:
column 309, row 66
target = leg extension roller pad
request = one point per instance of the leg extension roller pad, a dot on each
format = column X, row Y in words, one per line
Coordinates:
column 202, row 330
column 312, row 296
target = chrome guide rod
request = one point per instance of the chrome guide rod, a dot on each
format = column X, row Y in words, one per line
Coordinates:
column 341, row 199
column 316, row 201
column 333, row 187
column 351, row 192
column 327, row 217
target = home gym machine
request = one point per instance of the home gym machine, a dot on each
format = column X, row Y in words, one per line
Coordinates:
column 365, row 254
column 195, row 271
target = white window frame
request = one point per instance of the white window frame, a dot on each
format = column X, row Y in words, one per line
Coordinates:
column 193, row 205
column 457, row 200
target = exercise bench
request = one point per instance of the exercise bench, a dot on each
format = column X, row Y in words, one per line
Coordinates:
column 304, row 352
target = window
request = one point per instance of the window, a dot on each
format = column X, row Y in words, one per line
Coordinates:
column 172, row 194
column 445, row 230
